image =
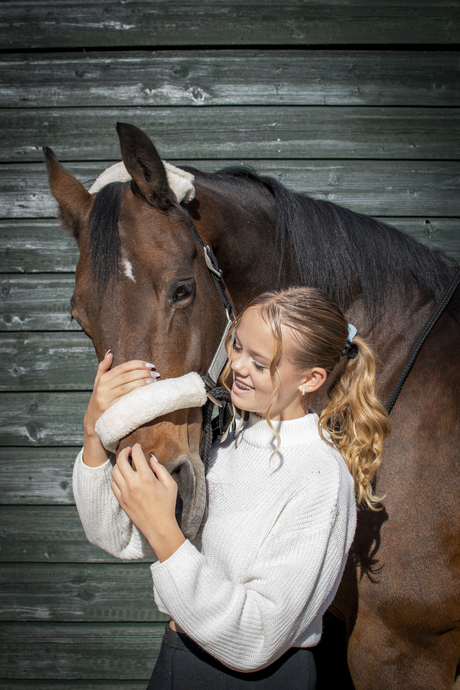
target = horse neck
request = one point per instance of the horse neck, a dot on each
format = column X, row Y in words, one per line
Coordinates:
column 240, row 228
column 391, row 332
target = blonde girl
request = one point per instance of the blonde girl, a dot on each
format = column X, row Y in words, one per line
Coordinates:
column 247, row 609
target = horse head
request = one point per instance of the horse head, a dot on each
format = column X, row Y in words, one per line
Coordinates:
column 142, row 289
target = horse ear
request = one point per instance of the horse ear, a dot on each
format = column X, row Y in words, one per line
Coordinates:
column 73, row 199
column 145, row 166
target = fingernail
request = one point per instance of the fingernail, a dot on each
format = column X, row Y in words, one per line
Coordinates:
column 154, row 374
column 154, row 458
column 107, row 353
column 149, row 366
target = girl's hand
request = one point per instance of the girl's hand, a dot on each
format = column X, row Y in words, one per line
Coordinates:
column 148, row 496
column 109, row 385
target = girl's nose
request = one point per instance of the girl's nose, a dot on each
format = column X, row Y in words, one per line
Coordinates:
column 239, row 366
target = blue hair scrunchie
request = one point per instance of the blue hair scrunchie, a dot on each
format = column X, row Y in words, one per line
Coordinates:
column 350, row 349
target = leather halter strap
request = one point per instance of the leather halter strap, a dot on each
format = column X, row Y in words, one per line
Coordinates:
column 214, row 370
column 423, row 335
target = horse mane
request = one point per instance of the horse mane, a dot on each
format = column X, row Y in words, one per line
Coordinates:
column 341, row 251
column 104, row 240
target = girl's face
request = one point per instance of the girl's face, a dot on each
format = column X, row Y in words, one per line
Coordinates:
column 252, row 389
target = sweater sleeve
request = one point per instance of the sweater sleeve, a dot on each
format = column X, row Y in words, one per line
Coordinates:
column 292, row 579
column 105, row 523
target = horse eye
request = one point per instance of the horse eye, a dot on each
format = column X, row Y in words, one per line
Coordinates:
column 183, row 292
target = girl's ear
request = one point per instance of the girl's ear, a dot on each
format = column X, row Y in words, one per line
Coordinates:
column 313, row 380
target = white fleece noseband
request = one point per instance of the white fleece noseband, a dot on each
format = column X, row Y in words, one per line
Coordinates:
column 147, row 403
column 179, row 181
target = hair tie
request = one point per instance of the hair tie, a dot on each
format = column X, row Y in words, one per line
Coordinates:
column 350, row 349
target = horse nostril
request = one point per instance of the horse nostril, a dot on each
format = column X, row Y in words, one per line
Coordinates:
column 179, row 509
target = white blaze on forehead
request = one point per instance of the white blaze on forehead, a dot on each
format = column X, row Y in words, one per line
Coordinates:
column 128, row 269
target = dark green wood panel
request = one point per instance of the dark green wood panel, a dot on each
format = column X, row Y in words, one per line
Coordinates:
column 231, row 77
column 79, row 650
column 64, row 23
column 29, row 246
column 36, row 246
column 379, row 188
column 42, row 419
column 232, row 132
column 66, row 593
column 36, row 302
column 46, row 361
column 37, row 476
column 47, row 534
column 438, row 234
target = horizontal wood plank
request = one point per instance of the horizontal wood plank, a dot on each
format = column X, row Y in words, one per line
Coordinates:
column 231, row 77
column 104, row 23
column 36, row 246
column 47, row 534
column 42, row 419
column 86, row 592
column 41, row 246
column 378, row 188
column 79, row 650
column 28, row 302
column 46, row 361
column 231, row 132
column 37, row 476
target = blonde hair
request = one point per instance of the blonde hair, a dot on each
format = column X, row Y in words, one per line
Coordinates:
column 353, row 421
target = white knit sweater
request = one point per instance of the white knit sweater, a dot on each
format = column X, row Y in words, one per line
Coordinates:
column 273, row 548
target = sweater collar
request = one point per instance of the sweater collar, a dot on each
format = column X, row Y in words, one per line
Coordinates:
column 293, row 432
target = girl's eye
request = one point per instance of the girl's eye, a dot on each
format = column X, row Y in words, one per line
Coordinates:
column 259, row 367
column 236, row 347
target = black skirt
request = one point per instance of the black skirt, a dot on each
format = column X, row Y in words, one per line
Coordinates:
column 183, row 665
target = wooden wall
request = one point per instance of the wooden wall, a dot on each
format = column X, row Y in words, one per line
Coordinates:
column 356, row 102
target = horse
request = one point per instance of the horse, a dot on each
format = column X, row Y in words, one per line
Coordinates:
column 143, row 289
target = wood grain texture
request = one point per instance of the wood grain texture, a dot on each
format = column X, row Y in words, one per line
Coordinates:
column 47, row 534
column 61, row 23
column 46, row 361
column 36, row 246
column 30, row 302
column 378, row 188
column 232, row 132
column 231, row 77
column 79, row 650
column 78, row 592
column 37, row 476
column 42, row 419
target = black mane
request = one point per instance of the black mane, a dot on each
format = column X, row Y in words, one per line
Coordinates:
column 104, row 240
column 335, row 249
column 340, row 251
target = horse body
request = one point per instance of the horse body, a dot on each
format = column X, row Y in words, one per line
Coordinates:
column 400, row 591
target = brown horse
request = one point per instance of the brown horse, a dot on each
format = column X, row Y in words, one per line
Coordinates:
column 400, row 595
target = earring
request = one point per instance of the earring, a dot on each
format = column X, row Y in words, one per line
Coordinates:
column 303, row 390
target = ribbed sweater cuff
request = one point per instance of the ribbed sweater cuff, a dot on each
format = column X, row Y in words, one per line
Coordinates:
column 105, row 469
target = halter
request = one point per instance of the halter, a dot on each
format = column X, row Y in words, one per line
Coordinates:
column 217, row 395
column 423, row 335
column 220, row 356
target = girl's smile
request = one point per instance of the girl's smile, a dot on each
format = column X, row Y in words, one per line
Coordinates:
column 253, row 389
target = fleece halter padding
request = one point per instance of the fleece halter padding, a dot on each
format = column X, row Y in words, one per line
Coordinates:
column 179, row 181
column 146, row 403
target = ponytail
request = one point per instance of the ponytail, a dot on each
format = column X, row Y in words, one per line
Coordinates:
column 355, row 422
